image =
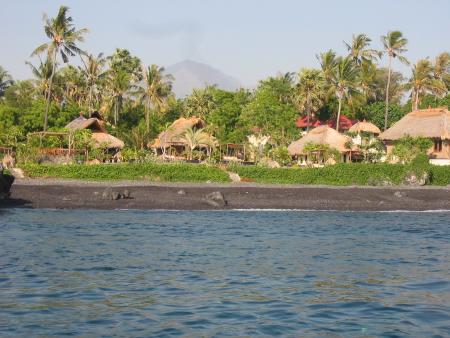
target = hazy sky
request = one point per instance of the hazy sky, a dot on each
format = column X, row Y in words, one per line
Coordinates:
column 248, row 39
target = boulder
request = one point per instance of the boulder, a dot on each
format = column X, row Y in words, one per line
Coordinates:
column 8, row 162
column 181, row 192
column 215, row 199
column 126, row 194
column 17, row 172
column 6, row 182
column 234, row 177
column 415, row 179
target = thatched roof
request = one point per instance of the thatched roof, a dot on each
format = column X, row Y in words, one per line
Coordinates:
column 84, row 123
column 430, row 123
column 364, row 126
column 175, row 133
column 107, row 139
column 320, row 135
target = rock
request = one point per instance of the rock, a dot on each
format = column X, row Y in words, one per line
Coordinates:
column 109, row 194
column 126, row 194
column 115, row 195
column 215, row 199
column 414, row 179
column 272, row 164
column 234, row 177
column 181, row 192
column 6, row 182
column 17, row 172
column 398, row 194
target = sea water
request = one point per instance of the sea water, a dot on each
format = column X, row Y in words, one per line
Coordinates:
column 225, row 273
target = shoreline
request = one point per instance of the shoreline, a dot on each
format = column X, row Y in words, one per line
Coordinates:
column 145, row 195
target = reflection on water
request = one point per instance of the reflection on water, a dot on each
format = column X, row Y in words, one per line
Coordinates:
column 230, row 273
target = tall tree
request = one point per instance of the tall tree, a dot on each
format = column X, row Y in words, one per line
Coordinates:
column 118, row 83
column 93, row 71
column 63, row 40
column 328, row 62
column 309, row 92
column 442, row 69
column 343, row 82
column 42, row 73
column 5, row 81
column 394, row 45
column 423, row 82
column 358, row 49
column 155, row 91
column 200, row 103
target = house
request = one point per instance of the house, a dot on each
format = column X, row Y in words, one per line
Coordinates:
column 304, row 123
column 433, row 123
column 172, row 142
column 322, row 135
column 100, row 135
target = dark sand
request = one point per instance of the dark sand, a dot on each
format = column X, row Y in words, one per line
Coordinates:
column 72, row 194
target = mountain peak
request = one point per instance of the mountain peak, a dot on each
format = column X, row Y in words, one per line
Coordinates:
column 191, row 74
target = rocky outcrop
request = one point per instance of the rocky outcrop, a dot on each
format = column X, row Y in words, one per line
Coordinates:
column 6, row 182
column 415, row 179
column 215, row 199
column 114, row 195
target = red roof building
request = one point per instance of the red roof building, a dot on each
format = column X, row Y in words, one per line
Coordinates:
column 344, row 122
column 302, row 122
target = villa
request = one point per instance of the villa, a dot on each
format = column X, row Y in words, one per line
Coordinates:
column 430, row 123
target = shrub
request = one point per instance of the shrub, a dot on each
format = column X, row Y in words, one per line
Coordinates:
column 176, row 172
column 281, row 155
column 407, row 148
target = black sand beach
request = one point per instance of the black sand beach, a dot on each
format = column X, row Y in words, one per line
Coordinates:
column 72, row 194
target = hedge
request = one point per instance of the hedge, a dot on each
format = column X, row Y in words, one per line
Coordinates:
column 340, row 174
column 150, row 171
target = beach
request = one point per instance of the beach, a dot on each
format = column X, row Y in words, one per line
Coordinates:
column 75, row 194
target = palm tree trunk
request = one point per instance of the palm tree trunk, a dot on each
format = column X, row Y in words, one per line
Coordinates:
column 339, row 113
column 49, row 92
column 90, row 100
column 387, row 93
column 308, row 112
column 147, row 118
column 416, row 100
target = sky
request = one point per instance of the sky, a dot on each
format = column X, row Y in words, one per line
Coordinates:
column 247, row 39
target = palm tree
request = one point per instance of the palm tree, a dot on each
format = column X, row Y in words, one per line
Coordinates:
column 5, row 81
column 328, row 62
column 93, row 72
column 394, row 45
column 343, row 82
column 42, row 73
column 195, row 138
column 358, row 50
column 422, row 81
column 118, row 83
column 309, row 92
column 442, row 68
column 155, row 92
column 63, row 40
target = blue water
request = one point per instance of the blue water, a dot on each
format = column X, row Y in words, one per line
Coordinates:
column 225, row 273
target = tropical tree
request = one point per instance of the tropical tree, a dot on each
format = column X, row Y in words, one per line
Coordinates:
column 442, row 69
column 309, row 92
column 358, row 49
column 328, row 62
column 394, row 45
column 200, row 103
column 93, row 71
column 63, row 40
column 343, row 82
column 155, row 91
column 42, row 73
column 195, row 138
column 118, row 84
column 423, row 82
column 5, row 81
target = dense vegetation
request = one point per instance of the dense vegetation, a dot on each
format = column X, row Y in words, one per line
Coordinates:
column 137, row 101
column 179, row 172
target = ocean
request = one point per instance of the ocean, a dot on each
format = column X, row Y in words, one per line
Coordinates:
column 224, row 273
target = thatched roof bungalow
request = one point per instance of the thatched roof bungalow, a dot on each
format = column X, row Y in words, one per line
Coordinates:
column 429, row 123
column 365, row 127
column 322, row 135
column 100, row 135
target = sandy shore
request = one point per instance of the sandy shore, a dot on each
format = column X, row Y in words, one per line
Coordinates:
column 73, row 194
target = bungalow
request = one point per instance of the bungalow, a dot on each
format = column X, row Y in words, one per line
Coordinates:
column 323, row 135
column 429, row 123
column 312, row 122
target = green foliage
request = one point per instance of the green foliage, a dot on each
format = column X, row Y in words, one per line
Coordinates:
column 439, row 175
column 149, row 171
column 407, row 148
column 281, row 155
column 375, row 113
column 324, row 151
